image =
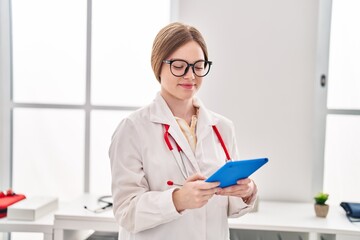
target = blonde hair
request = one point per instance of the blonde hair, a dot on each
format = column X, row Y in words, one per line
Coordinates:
column 169, row 39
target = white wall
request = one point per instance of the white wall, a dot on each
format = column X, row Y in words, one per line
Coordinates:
column 263, row 78
column 264, row 55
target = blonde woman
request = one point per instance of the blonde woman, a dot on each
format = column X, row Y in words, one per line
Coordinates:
column 161, row 154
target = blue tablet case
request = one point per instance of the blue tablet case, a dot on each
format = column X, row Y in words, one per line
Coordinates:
column 233, row 171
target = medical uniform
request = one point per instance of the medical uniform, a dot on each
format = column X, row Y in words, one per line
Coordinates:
column 141, row 165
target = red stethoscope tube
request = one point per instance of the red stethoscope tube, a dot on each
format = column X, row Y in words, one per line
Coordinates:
column 168, row 143
column 221, row 142
column 167, row 140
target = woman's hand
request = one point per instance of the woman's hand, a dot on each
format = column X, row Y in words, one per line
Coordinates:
column 245, row 188
column 195, row 193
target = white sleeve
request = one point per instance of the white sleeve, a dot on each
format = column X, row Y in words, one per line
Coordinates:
column 136, row 207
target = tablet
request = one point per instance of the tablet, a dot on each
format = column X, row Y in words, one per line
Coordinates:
column 235, row 170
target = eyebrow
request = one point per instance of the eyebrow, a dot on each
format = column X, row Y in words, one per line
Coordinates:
column 174, row 59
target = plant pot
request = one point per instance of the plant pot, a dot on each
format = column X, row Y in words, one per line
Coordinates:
column 321, row 210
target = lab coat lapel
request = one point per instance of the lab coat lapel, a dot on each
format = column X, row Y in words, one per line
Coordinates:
column 161, row 113
column 205, row 122
column 179, row 137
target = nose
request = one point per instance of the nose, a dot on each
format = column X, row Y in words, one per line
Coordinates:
column 189, row 73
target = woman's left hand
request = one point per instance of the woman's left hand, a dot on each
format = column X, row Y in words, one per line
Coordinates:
column 245, row 188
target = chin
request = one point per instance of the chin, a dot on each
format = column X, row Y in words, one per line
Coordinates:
column 186, row 96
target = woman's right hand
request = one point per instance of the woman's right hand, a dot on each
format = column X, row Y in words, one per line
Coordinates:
column 195, row 193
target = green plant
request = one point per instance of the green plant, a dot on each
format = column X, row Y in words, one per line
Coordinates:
column 321, row 198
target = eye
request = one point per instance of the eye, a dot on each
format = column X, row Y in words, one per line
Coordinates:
column 179, row 65
column 199, row 66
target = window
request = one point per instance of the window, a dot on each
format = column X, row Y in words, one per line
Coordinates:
column 123, row 33
column 76, row 71
column 342, row 154
column 49, row 51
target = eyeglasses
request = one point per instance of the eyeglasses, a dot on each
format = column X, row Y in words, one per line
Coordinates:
column 180, row 67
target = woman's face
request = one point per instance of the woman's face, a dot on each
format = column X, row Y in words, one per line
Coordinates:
column 185, row 87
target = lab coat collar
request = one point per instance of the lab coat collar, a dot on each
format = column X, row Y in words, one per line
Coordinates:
column 205, row 121
column 161, row 113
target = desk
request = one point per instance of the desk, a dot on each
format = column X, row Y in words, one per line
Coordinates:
column 296, row 217
column 272, row 216
column 72, row 221
column 43, row 225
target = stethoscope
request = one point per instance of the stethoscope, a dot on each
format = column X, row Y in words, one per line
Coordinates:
column 180, row 162
column 107, row 200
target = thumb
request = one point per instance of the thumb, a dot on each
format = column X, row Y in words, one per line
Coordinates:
column 195, row 177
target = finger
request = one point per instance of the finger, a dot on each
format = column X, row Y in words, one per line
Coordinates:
column 235, row 188
column 244, row 181
column 235, row 191
column 195, row 177
column 209, row 192
column 206, row 197
column 207, row 185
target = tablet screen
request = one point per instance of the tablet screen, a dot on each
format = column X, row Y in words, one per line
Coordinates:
column 235, row 170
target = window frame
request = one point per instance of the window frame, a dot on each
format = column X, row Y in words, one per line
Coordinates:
column 322, row 111
column 324, row 52
column 8, row 105
column 5, row 96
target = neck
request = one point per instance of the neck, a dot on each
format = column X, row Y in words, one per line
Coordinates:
column 181, row 108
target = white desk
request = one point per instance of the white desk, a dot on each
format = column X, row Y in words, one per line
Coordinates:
column 72, row 221
column 272, row 216
column 296, row 217
column 43, row 225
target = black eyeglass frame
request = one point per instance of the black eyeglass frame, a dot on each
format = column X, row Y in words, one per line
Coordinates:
column 170, row 62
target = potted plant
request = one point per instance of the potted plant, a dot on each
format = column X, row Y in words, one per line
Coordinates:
column 321, row 208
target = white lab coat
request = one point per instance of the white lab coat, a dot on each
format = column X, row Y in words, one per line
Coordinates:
column 141, row 165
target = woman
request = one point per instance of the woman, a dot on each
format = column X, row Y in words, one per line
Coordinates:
column 160, row 193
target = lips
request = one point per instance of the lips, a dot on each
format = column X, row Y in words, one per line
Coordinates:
column 187, row 85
